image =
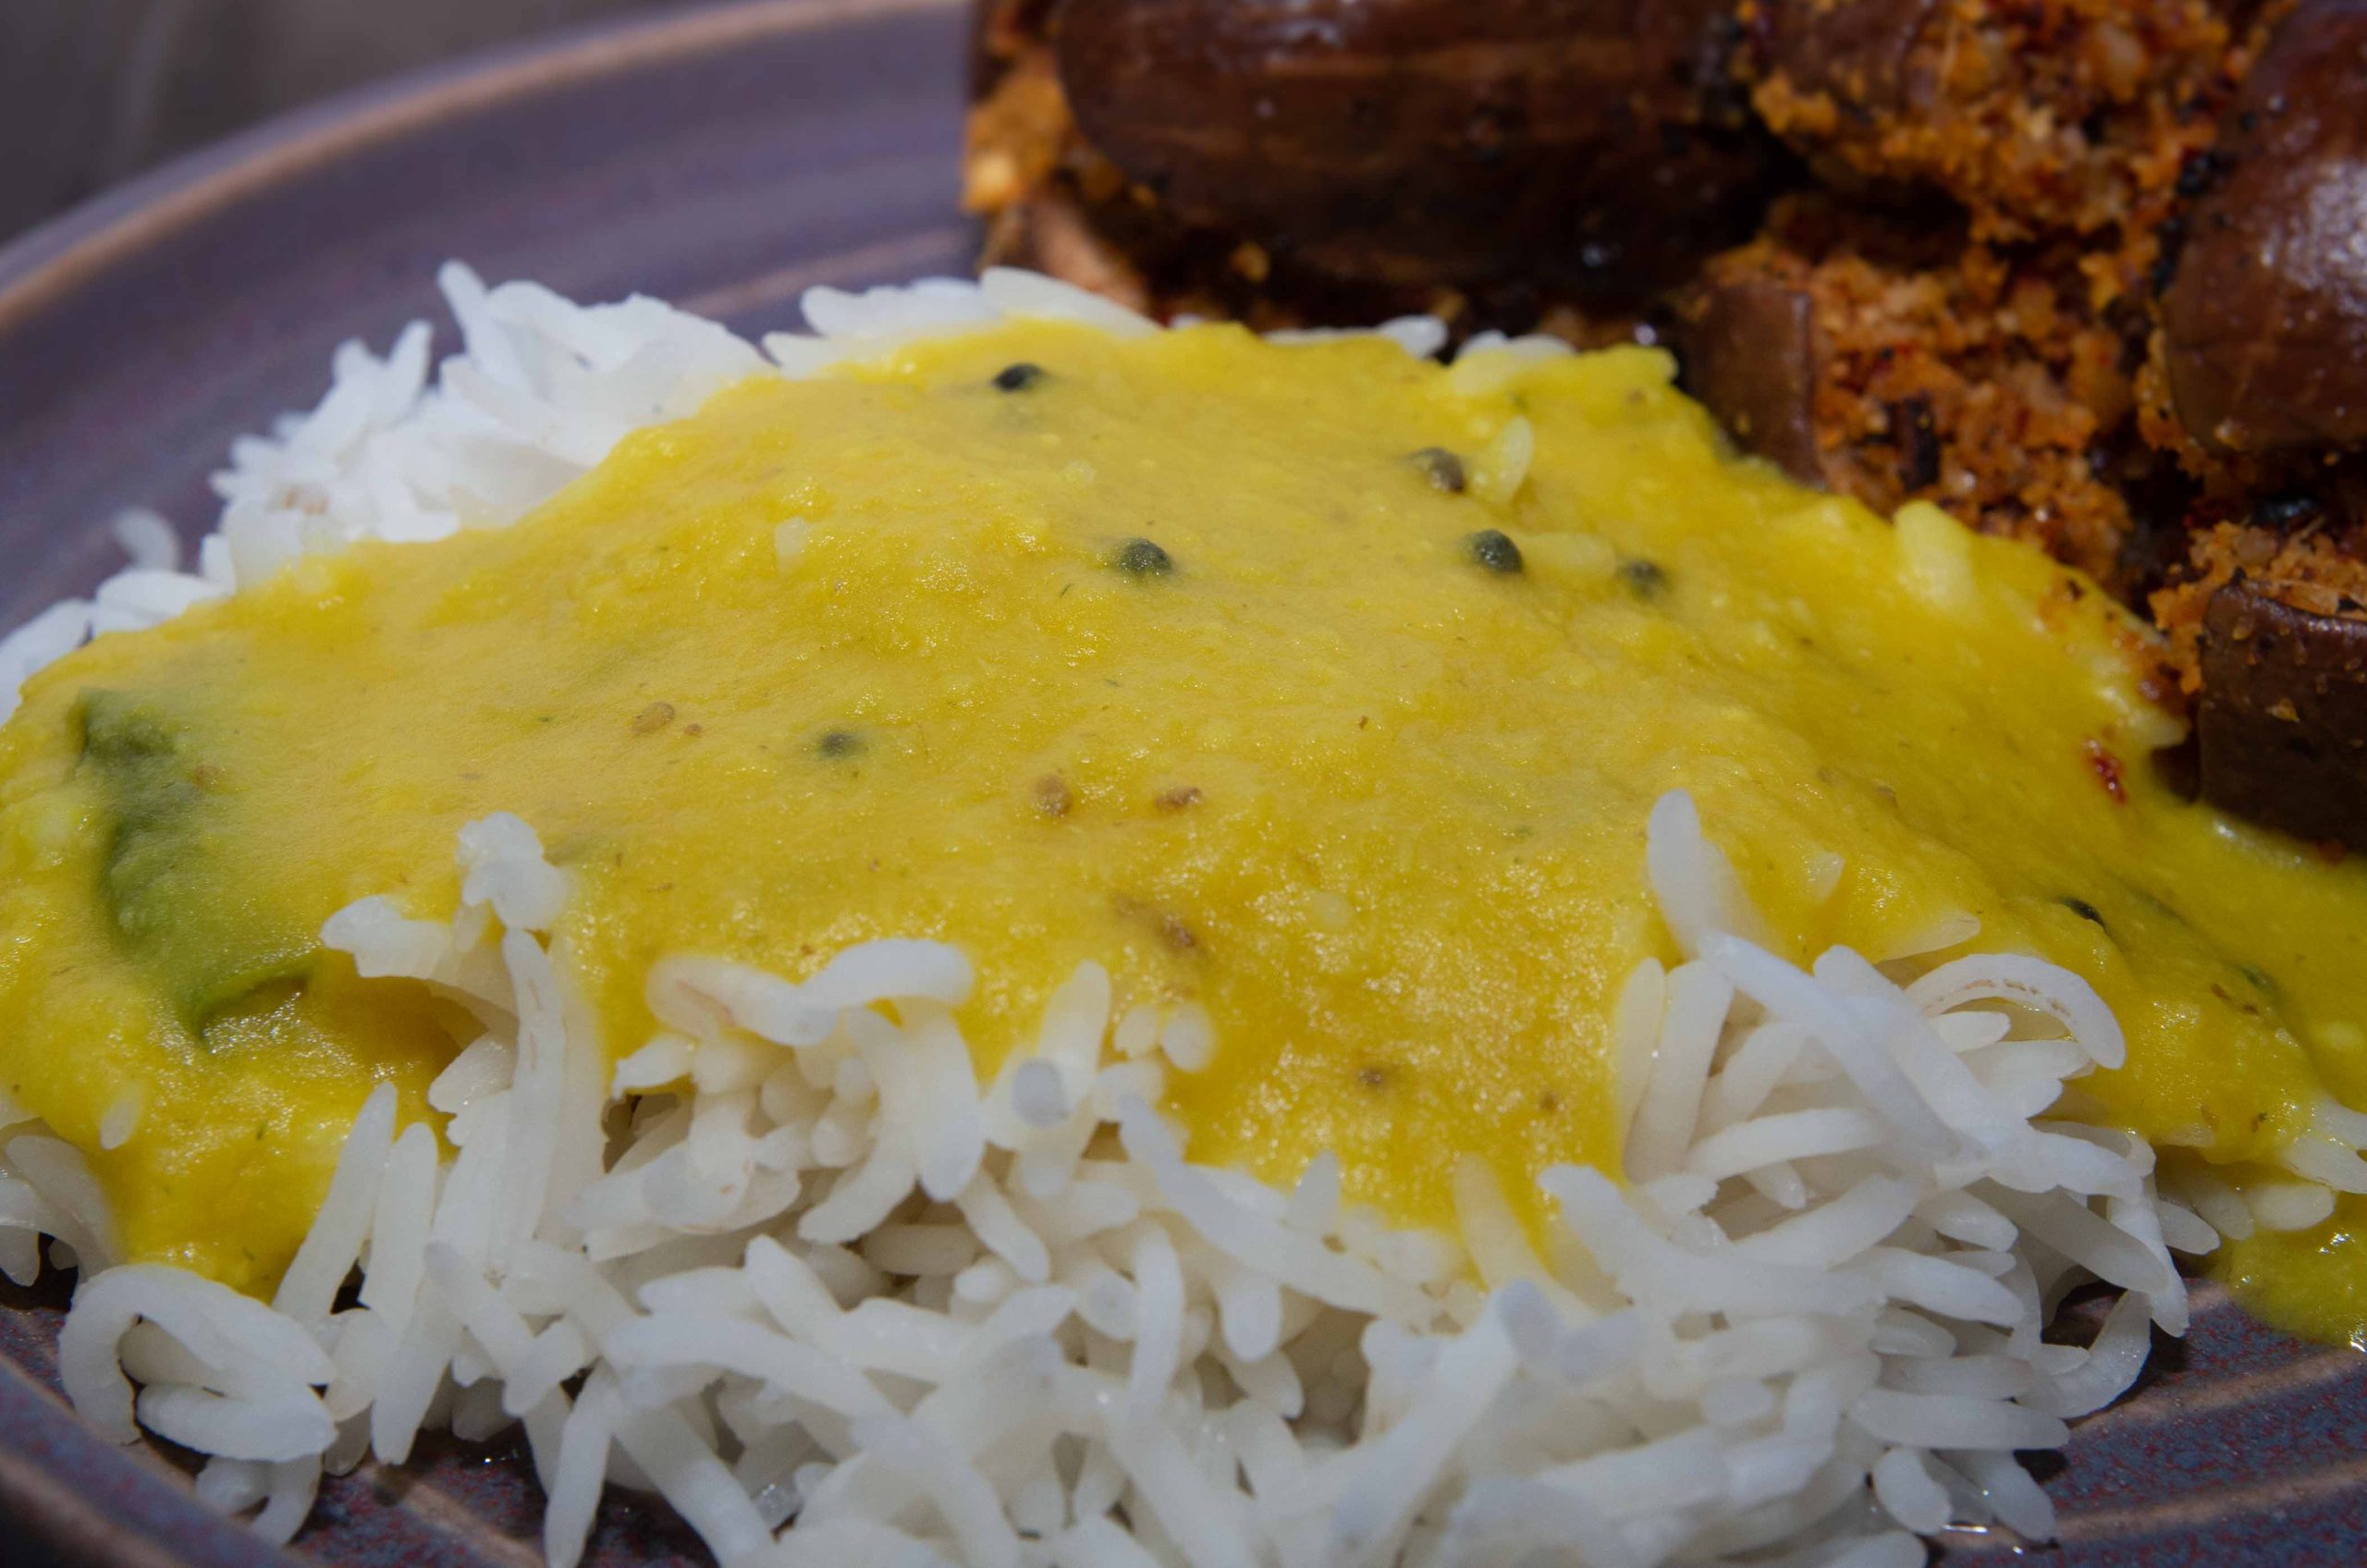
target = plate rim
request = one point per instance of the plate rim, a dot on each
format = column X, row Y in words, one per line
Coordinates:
column 54, row 259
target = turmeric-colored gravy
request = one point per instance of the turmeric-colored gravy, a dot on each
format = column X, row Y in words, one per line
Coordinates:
column 1320, row 686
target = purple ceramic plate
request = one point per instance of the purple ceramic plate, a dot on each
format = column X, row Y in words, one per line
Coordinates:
column 723, row 158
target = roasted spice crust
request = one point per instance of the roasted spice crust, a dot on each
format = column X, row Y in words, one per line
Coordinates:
column 1946, row 370
column 1981, row 353
column 2040, row 116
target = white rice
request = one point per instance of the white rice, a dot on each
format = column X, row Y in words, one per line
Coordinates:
column 792, row 1261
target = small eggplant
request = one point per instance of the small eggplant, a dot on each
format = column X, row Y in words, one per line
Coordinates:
column 2264, row 323
column 1598, row 145
column 2281, row 721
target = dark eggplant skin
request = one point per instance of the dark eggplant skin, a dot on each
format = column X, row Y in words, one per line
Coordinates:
column 2281, row 721
column 2264, row 323
column 1600, row 146
column 1749, row 350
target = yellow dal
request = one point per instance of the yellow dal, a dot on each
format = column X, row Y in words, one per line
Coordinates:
column 1378, row 808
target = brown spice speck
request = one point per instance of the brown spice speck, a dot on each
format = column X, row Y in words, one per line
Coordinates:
column 1373, row 1077
column 653, row 718
column 2107, row 769
column 1052, row 796
column 1180, row 799
column 2232, row 1000
column 1169, row 926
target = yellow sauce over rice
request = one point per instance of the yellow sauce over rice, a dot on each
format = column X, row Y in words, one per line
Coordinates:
column 1174, row 657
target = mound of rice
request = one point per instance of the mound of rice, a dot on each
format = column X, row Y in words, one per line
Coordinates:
column 792, row 1267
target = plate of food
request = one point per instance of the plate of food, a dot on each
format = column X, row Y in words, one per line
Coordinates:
column 1136, row 783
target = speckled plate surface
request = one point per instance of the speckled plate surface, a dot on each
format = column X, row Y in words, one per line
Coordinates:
column 724, row 158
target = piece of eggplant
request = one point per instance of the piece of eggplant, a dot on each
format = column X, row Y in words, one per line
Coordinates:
column 2264, row 323
column 1747, row 341
column 1600, row 146
column 2282, row 720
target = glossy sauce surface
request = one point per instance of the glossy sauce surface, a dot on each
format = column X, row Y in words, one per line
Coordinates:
column 1318, row 689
